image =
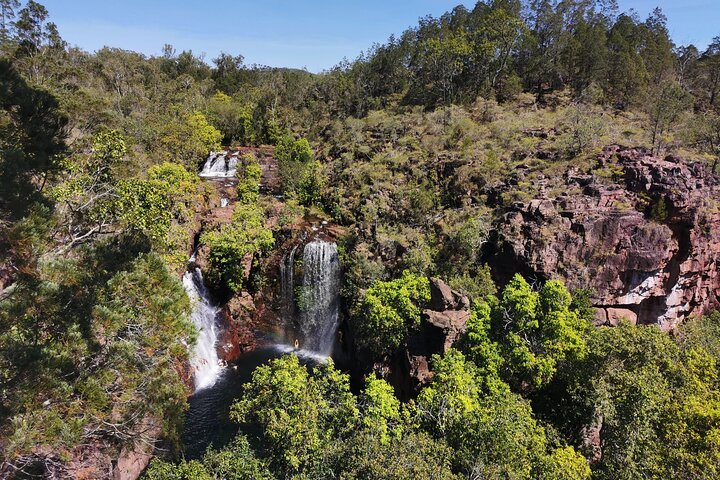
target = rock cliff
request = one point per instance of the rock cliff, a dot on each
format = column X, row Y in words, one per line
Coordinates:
column 642, row 232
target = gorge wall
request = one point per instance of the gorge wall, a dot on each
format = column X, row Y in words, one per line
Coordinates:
column 645, row 238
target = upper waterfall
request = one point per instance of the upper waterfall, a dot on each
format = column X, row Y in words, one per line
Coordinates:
column 204, row 361
column 220, row 165
column 320, row 296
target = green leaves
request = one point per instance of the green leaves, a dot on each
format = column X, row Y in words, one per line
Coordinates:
column 233, row 245
column 299, row 415
column 388, row 310
column 382, row 414
column 188, row 139
column 249, row 175
column 535, row 331
column 301, row 174
column 492, row 431
column 89, row 350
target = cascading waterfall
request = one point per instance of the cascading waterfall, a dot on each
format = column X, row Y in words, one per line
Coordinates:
column 219, row 165
column 313, row 324
column 320, row 302
column 205, row 361
column 287, row 283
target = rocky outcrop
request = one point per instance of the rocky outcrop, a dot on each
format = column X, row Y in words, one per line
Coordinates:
column 643, row 233
column 441, row 326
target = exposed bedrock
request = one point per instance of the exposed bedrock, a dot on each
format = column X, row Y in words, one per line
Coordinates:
column 646, row 242
column 441, row 326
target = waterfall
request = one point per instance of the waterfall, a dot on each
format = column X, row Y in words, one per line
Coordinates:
column 320, row 296
column 205, row 361
column 219, row 165
column 287, row 284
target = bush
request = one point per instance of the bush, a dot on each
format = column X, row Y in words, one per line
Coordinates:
column 232, row 245
column 389, row 310
column 249, row 175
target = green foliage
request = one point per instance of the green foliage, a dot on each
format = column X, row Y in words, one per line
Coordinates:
column 526, row 334
column 585, row 127
column 249, row 174
column 411, row 151
column 32, row 132
column 233, row 462
column 108, row 146
column 480, row 348
column 311, row 184
column 70, row 365
column 492, row 432
column 143, row 205
column 388, row 310
column 667, row 103
column 415, row 456
column 625, row 381
column 192, row 470
column 151, row 206
column 233, row 118
column 537, row 330
column 298, row 416
column 383, row 416
column 300, row 174
column 235, row 244
column 188, row 139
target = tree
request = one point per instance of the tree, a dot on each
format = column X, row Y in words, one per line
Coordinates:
column 7, row 14
column 628, row 76
column 587, row 54
column 383, row 417
column 297, row 417
column 249, row 174
column 29, row 26
column 414, row 456
column 657, row 48
column 439, row 63
column 233, row 246
column 493, row 433
column 296, row 164
column 311, row 184
column 709, row 66
column 624, row 383
column 188, row 139
column 228, row 72
column 497, row 33
column 236, row 461
column 544, row 44
column 92, row 355
column 31, row 142
column 704, row 133
column 233, row 118
column 389, row 310
column 526, row 334
column 88, row 191
column 668, row 101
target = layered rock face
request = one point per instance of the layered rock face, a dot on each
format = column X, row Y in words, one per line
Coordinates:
column 644, row 237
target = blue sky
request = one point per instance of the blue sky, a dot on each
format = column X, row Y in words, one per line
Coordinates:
column 310, row 34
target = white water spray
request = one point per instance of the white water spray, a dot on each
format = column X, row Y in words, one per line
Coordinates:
column 321, row 296
column 219, row 165
column 205, row 361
